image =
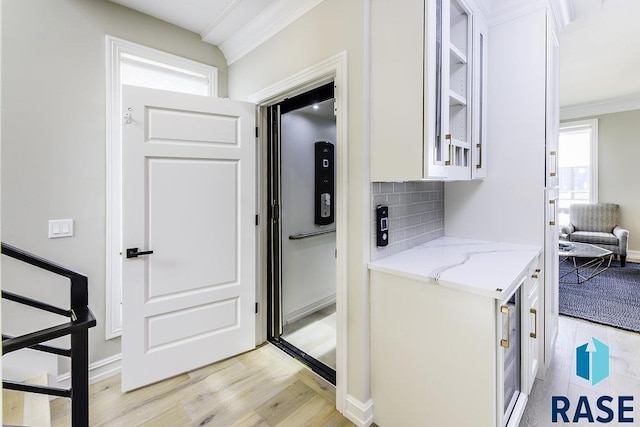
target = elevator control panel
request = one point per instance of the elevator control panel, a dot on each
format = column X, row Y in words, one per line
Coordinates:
column 324, row 183
column 382, row 225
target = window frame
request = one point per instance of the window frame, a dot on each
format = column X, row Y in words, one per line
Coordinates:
column 115, row 48
column 577, row 126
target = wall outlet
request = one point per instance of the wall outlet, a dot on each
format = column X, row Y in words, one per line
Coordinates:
column 60, row 228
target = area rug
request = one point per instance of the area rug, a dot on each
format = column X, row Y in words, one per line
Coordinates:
column 611, row 298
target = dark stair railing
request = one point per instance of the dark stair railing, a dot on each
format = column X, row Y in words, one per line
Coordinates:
column 81, row 319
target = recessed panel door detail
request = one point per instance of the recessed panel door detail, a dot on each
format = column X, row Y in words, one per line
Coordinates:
column 189, row 200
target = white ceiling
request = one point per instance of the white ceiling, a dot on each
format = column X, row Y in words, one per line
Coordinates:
column 600, row 52
column 214, row 20
column 235, row 26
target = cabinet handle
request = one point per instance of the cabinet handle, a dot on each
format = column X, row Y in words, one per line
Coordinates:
column 534, row 334
column 450, row 161
column 479, row 165
column 553, row 153
column 505, row 342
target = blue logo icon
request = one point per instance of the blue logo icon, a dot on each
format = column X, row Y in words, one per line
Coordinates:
column 592, row 361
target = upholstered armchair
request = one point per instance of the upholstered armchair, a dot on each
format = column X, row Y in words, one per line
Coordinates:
column 597, row 224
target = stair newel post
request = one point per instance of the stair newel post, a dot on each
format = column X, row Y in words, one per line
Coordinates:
column 78, row 328
column 79, row 355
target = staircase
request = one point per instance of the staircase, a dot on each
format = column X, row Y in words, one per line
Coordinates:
column 26, row 409
column 80, row 320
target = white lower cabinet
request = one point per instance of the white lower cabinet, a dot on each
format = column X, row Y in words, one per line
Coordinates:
column 532, row 327
column 443, row 356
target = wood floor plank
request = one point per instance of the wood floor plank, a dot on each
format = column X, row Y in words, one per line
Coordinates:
column 321, row 386
column 284, row 403
column 310, row 414
column 31, row 409
column 229, row 403
column 336, row 419
column 252, row 419
column 135, row 407
column 37, row 411
column 12, row 407
column 174, row 416
column 264, row 387
column 205, row 371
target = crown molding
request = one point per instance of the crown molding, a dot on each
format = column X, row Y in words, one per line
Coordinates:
column 508, row 10
column 564, row 12
column 598, row 108
column 209, row 34
column 484, row 6
column 273, row 19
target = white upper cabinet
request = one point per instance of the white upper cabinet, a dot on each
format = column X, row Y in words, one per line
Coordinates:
column 553, row 103
column 428, row 90
column 479, row 120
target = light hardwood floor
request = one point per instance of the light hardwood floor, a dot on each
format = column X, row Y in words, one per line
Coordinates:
column 263, row 387
column 624, row 368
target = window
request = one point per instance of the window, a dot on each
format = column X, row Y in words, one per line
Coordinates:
column 578, row 165
column 137, row 65
column 139, row 71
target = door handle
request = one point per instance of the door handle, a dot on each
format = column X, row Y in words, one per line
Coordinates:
column 133, row 253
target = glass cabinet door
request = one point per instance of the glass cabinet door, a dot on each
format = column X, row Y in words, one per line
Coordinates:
column 511, row 348
column 457, row 111
column 452, row 87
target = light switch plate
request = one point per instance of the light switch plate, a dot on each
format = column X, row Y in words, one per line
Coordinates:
column 60, row 228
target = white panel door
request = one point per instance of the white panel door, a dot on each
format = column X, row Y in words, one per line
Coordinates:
column 188, row 195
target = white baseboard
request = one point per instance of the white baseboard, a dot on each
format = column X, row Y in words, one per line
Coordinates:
column 308, row 309
column 361, row 414
column 97, row 371
column 633, row 256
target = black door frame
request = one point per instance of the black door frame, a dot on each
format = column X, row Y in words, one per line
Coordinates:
column 274, row 253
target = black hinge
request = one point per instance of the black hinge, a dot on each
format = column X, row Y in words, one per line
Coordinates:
column 256, row 219
column 256, row 131
column 256, row 308
column 275, row 212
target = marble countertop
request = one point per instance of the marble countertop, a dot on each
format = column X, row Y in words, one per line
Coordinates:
column 478, row 266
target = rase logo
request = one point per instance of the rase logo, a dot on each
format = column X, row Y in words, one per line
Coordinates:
column 592, row 364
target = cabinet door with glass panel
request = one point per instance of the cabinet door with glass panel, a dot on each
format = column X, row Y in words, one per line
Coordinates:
column 455, row 57
column 428, row 80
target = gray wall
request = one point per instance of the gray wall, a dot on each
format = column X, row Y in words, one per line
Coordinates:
column 416, row 214
column 53, row 135
column 331, row 27
column 618, row 172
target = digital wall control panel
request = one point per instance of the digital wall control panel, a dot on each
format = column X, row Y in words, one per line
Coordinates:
column 382, row 225
column 324, row 185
